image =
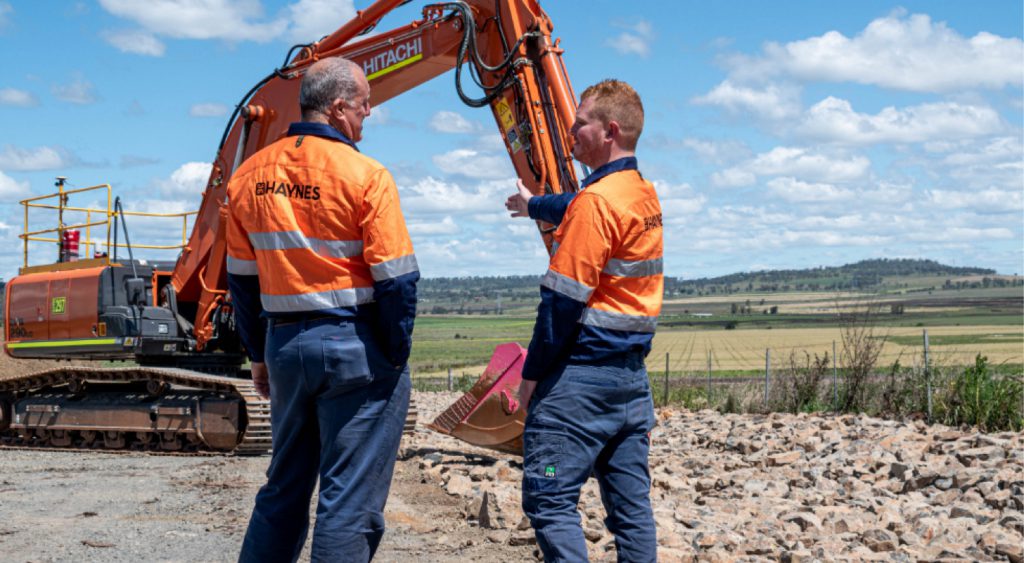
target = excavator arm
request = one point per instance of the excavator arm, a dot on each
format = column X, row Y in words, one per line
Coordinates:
column 506, row 48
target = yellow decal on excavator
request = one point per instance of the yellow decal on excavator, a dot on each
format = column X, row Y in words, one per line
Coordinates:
column 508, row 124
column 58, row 305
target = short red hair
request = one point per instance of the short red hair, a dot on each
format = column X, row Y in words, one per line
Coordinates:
column 614, row 100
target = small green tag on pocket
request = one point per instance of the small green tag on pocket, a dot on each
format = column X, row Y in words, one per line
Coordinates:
column 549, row 471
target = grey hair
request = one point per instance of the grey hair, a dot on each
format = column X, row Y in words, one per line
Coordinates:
column 327, row 80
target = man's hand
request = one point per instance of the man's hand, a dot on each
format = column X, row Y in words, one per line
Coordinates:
column 261, row 379
column 518, row 203
column 525, row 392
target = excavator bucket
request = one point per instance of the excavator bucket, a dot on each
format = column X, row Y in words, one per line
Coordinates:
column 489, row 415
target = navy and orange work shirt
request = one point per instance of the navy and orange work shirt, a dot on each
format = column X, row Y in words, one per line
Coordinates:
column 602, row 293
column 315, row 229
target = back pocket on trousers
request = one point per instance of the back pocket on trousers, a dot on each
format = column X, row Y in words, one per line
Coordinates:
column 345, row 363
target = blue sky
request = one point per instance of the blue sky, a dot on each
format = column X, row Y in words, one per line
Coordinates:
column 779, row 134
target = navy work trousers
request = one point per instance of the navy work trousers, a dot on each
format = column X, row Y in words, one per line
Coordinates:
column 337, row 411
column 585, row 420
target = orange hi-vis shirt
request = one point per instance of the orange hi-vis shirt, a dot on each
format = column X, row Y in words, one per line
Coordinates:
column 320, row 224
column 602, row 293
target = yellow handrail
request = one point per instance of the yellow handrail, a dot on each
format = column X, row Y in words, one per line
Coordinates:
column 108, row 214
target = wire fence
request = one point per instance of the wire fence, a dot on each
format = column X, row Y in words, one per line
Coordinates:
column 847, row 380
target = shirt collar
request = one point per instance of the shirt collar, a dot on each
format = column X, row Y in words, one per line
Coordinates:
column 319, row 130
column 618, row 165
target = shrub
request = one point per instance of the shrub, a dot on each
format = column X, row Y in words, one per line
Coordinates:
column 861, row 347
column 977, row 397
column 799, row 384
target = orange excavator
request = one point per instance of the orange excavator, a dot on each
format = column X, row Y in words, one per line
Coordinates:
column 186, row 389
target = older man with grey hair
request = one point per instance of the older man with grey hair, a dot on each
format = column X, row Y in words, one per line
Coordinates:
column 323, row 281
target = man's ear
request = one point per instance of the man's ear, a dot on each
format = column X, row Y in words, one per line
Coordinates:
column 613, row 131
column 338, row 107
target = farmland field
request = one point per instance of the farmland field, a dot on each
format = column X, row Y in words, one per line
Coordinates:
column 745, row 349
column 435, row 347
column 960, row 325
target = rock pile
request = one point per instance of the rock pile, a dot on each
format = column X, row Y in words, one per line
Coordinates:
column 778, row 487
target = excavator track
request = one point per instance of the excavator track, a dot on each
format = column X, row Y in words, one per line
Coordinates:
column 134, row 408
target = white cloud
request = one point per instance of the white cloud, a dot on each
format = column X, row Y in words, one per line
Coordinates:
column 490, row 142
column 833, row 119
column 678, row 202
column 717, row 152
column 772, row 101
column 208, row 110
column 135, row 41
column 733, row 178
column 796, row 162
column 446, row 226
column 15, row 97
column 961, row 234
column 232, row 20
column 474, row 164
column 80, row 92
column 982, row 164
column 897, row 51
column 188, row 180
column 312, row 19
column 451, row 122
column 998, row 149
column 636, row 40
column 991, row 200
column 41, row 158
column 492, row 253
column 793, row 190
column 11, row 189
column 430, row 195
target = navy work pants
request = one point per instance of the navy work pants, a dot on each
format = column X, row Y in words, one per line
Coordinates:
column 337, row 412
column 585, row 420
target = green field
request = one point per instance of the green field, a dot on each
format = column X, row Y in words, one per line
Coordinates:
column 960, row 324
column 440, row 342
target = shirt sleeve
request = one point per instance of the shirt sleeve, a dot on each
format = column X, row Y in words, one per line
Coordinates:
column 388, row 251
column 549, row 208
column 244, row 287
column 587, row 242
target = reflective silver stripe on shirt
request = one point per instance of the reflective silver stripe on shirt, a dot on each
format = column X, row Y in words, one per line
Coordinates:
column 394, row 268
column 241, row 267
column 566, row 286
column 282, row 240
column 285, row 240
column 637, row 269
column 337, row 248
column 316, row 301
column 619, row 321
column 554, row 248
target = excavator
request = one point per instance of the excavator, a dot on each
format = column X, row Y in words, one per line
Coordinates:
column 170, row 375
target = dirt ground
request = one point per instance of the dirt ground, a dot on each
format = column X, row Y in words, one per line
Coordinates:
column 94, row 506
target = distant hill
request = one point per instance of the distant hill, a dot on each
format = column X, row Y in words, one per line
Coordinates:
column 866, row 274
column 495, row 293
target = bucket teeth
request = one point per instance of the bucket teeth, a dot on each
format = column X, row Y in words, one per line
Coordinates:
column 489, row 414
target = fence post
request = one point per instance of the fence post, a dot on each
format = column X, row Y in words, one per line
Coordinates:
column 709, row 379
column 450, row 382
column 835, row 378
column 927, row 376
column 665, row 396
column 767, row 378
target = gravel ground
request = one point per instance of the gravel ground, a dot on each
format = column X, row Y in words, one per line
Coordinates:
column 61, row 506
column 726, row 488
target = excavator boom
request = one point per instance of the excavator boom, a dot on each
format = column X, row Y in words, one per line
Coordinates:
column 181, row 318
column 508, row 46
